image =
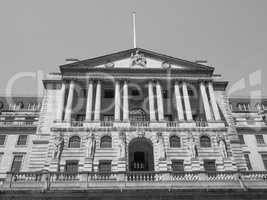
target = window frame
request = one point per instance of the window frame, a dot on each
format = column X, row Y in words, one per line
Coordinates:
column 172, row 142
column 18, row 143
column 205, row 162
column 67, row 162
column 204, row 145
column 107, row 92
column 108, row 162
column 248, row 162
column 242, row 141
column 71, row 142
column 180, row 161
column 13, row 161
column 263, row 159
column 101, row 142
column 260, row 141
column 5, row 139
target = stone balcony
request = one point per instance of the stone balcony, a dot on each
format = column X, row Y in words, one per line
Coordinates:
column 22, row 125
column 134, row 180
column 136, row 125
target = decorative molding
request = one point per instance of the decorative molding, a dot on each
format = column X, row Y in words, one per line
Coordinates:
column 109, row 65
column 138, row 59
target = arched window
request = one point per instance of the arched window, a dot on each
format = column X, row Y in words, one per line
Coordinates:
column 74, row 142
column 106, row 142
column 175, row 141
column 205, row 141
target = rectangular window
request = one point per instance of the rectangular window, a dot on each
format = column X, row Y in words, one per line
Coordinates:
column 104, row 166
column 248, row 161
column 264, row 159
column 109, row 93
column 177, row 165
column 83, row 93
column 71, row 166
column 80, row 117
column 108, row 118
column 168, row 118
column 241, row 139
column 209, row 165
column 22, row 140
column 165, row 94
column 135, row 93
column 16, row 164
column 259, row 139
column 2, row 139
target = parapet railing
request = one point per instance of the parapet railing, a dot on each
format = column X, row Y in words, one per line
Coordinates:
column 137, row 124
column 45, row 180
column 18, row 123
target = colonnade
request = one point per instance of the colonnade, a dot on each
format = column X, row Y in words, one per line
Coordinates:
column 183, row 107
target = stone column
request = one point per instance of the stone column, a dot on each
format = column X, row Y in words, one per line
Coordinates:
column 125, row 102
column 117, row 102
column 151, row 102
column 205, row 101
column 179, row 105
column 213, row 102
column 188, row 111
column 89, row 103
column 61, row 101
column 97, row 102
column 69, row 102
column 159, row 102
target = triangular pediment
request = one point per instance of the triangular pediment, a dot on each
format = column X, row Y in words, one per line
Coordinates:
column 138, row 59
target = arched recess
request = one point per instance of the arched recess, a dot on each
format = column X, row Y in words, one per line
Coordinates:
column 140, row 155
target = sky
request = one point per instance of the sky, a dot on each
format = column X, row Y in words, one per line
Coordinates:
column 37, row 36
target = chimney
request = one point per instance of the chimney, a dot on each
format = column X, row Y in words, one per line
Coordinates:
column 71, row 60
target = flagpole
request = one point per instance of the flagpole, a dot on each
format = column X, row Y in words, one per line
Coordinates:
column 134, row 31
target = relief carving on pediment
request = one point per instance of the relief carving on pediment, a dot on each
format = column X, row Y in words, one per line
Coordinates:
column 138, row 59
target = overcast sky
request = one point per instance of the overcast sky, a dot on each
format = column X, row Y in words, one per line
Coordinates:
column 40, row 35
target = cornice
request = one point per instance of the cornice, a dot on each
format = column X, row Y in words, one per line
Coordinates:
column 132, row 129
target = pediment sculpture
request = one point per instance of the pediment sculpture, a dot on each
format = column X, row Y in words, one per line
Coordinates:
column 138, row 59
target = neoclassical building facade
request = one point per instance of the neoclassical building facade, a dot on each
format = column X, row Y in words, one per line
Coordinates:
column 137, row 120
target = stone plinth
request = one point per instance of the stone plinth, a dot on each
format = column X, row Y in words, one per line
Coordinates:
column 158, row 124
column 163, row 165
column 53, row 167
column 228, row 164
column 88, row 163
column 195, row 164
column 121, row 165
column 187, row 124
column 119, row 124
column 216, row 124
column 92, row 124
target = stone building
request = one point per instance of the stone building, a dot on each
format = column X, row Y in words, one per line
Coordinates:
column 134, row 120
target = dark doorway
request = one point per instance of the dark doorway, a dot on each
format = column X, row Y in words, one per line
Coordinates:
column 141, row 155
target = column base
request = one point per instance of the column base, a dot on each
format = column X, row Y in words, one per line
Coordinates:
column 163, row 165
column 187, row 124
column 121, row 165
column 121, row 124
column 216, row 124
column 158, row 124
column 195, row 164
column 88, row 163
column 92, row 124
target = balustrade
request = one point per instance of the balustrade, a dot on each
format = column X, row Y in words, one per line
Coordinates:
column 173, row 124
column 139, row 123
column 52, row 179
column 18, row 123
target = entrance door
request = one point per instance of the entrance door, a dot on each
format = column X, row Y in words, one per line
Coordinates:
column 141, row 155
